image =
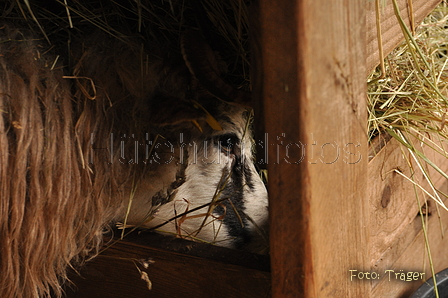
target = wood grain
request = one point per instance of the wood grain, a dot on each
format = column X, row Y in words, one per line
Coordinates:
column 396, row 229
column 314, row 99
column 392, row 201
column 409, row 253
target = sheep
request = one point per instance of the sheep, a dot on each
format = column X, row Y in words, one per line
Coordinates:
column 128, row 135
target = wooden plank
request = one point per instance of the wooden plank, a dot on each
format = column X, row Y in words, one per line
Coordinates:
column 391, row 32
column 396, row 230
column 413, row 258
column 393, row 205
column 392, row 201
column 314, row 89
column 218, row 272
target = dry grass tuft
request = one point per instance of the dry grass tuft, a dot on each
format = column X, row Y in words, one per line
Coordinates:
column 411, row 102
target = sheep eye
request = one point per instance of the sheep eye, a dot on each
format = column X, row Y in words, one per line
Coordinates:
column 228, row 143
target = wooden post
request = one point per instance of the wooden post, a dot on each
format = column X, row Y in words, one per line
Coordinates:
column 313, row 86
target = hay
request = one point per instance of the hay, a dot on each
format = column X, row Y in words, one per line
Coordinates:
column 411, row 102
column 414, row 92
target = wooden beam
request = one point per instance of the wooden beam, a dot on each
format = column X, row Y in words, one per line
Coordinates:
column 315, row 112
column 174, row 268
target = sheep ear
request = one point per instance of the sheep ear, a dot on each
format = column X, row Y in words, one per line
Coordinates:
column 199, row 58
